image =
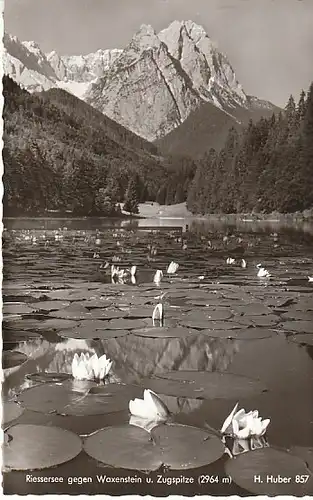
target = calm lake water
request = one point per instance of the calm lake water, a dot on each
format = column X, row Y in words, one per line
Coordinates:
column 223, row 319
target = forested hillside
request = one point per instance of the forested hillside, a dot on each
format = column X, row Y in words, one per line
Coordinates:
column 268, row 167
column 61, row 154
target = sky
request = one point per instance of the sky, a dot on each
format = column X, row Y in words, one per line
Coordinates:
column 269, row 43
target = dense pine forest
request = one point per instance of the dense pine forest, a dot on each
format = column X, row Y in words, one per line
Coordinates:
column 61, row 154
column 266, row 168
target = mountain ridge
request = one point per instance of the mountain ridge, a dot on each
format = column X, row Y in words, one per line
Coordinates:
column 151, row 86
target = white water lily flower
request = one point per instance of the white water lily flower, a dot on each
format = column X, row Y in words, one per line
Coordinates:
column 243, row 263
column 150, row 407
column 158, row 314
column 81, row 369
column 244, row 425
column 100, row 366
column 262, row 272
column 133, row 270
column 85, row 367
column 172, row 268
column 310, row 278
column 230, row 260
column 158, row 276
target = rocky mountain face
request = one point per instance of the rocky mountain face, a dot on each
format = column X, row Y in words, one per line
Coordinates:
column 159, row 79
column 151, row 87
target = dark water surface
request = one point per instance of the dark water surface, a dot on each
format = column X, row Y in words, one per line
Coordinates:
column 239, row 324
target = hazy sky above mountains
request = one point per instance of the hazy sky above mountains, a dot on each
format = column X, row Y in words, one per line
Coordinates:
column 268, row 42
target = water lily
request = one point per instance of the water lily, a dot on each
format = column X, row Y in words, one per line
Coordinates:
column 310, row 278
column 230, row 260
column 100, row 366
column 81, row 369
column 243, row 263
column 158, row 276
column 150, row 407
column 172, row 268
column 158, row 314
column 262, row 272
column 246, row 430
column 244, row 425
column 85, row 367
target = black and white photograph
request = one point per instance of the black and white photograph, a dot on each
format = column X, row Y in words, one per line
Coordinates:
column 157, row 247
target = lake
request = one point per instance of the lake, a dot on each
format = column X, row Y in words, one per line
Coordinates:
column 229, row 336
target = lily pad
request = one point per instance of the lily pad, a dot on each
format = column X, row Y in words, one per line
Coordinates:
column 96, row 303
column 140, row 312
column 125, row 324
column 32, row 447
column 12, row 358
column 83, row 331
column 11, row 411
column 17, row 308
column 50, row 305
column 177, row 447
column 298, row 326
column 53, row 324
column 127, row 447
column 74, row 397
column 302, row 338
column 269, row 465
column 204, row 385
column 72, row 312
column 203, row 324
column 43, row 377
column 165, row 332
column 252, row 310
column 245, row 334
column 293, row 314
column 184, row 447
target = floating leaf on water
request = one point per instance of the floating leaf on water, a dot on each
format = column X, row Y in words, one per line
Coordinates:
column 302, row 338
column 78, row 398
column 43, row 377
column 298, row 326
column 203, row 324
column 270, row 463
column 11, row 411
column 53, row 398
column 176, row 446
column 32, row 447
column 184, row 447
column 140, row 312
column 126, row 324
column 95, row 303
column 17, row 308
column 293, row 314
column 256, row 309
column 73, row 311
column 83, row 331
column 107, row 314
column 204, row 385
column 126, row 447
column 12, row 358
column 269, row 320
column 244, row 334
column 164, row 332
column 50, row 305
column 305, row 453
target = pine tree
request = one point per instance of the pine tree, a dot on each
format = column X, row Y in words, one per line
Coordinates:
column 131, row 201
column 306, row 157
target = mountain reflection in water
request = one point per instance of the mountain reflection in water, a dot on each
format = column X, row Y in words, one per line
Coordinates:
column 54, row 261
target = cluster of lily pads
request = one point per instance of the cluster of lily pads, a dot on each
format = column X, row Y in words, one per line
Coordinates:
column 152, row 437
